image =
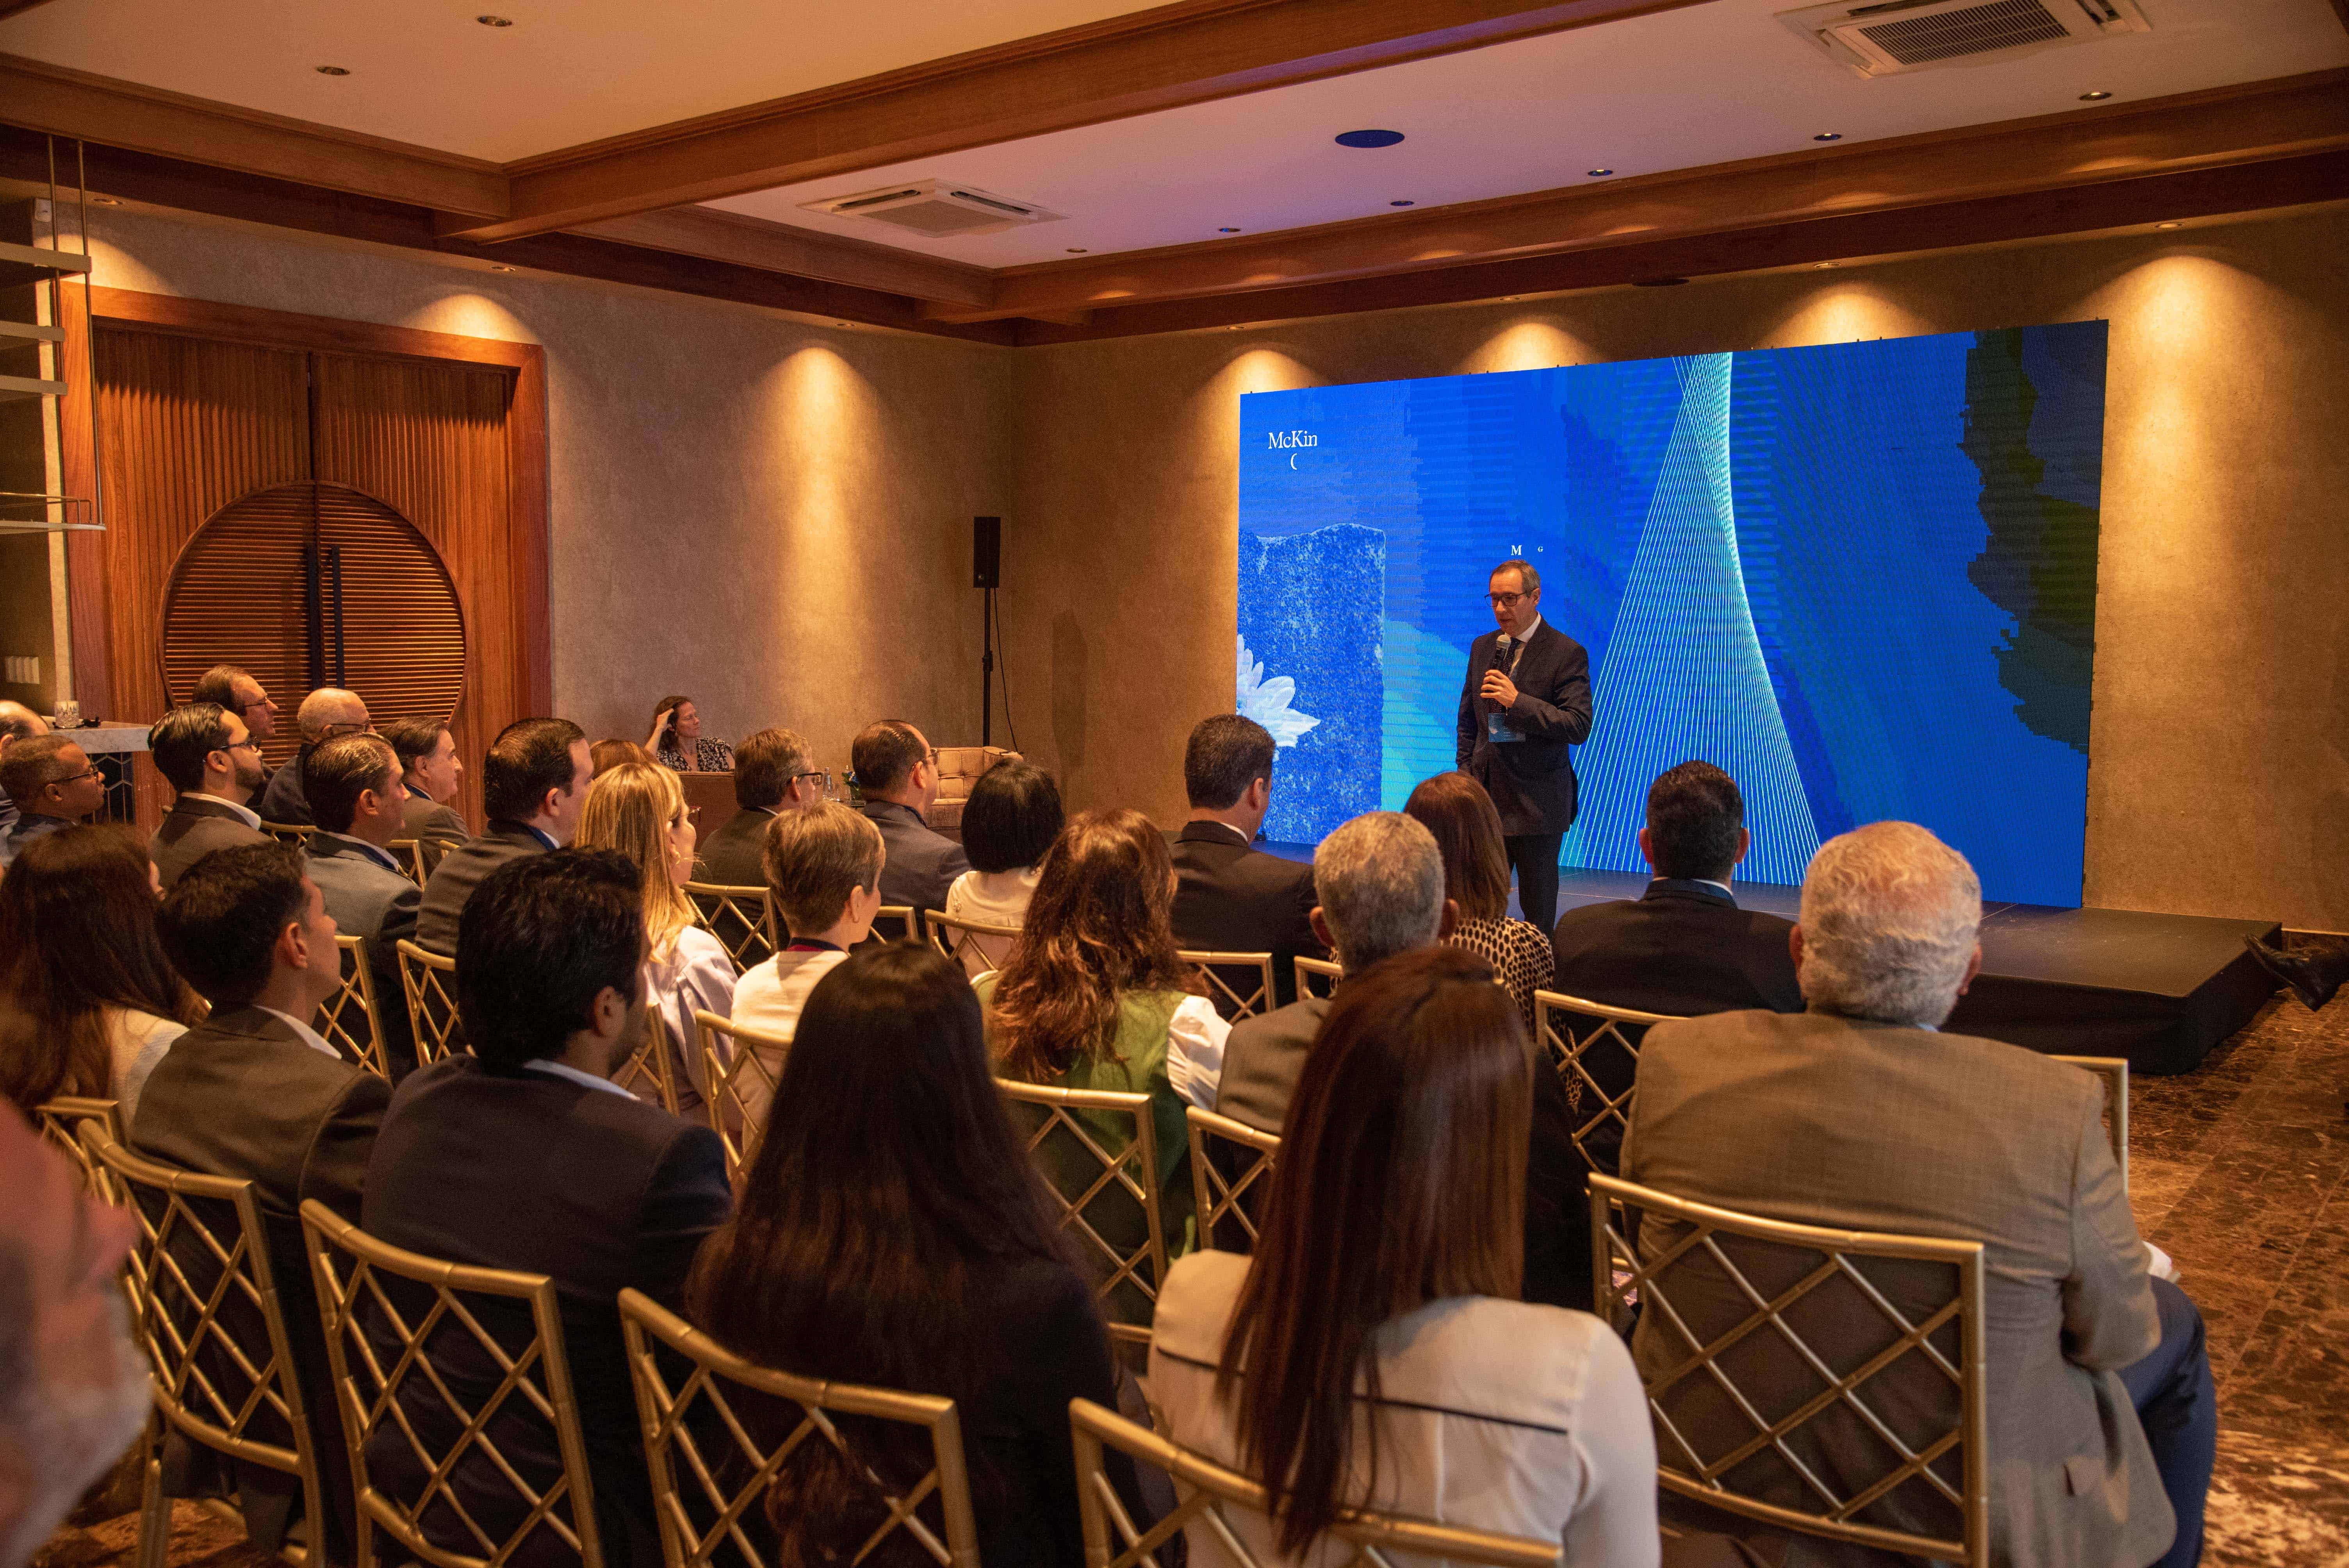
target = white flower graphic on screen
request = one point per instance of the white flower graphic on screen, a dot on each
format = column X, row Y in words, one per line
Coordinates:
column 1266, row 701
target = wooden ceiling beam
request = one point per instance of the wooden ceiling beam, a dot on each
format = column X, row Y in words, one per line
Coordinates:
column 57, row 102
column 1193, row 51
column 2286, row 118
column 749, row 241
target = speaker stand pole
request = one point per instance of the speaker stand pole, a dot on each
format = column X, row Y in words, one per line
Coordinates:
column 986, row 668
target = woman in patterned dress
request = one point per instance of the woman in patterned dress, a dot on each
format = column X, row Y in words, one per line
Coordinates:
column 677, row 743
column 1456, row 809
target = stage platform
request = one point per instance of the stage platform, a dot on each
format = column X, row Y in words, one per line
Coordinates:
column 2159, row 989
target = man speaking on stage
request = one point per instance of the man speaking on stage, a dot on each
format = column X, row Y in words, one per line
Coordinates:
column 1526, row 699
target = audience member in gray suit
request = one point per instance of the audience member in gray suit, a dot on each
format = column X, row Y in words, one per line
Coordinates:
column 253, row 1092
column 1858, row 1115
column 897, row 772
column 1380, row 882
column 430, row 773
column 203, row 752
column 774, row 772
column 354, row 797
column 325, row 714
column 533, row 782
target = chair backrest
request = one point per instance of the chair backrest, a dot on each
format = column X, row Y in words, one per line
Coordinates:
column 742, row 1067
column 1595, row 1049
column 1108, row 1171
column 719, row 1431
column 2115, row 1072
column 1774, row 1335
column 650, row 1071
column 428, row 981
column 411, row 1340
column 741, row 919
column 1231, row 1169
column 897, row 922
column 1316, row 976
column 206, row 1309
column 1210, row 1496
column 1239, row 984
column 60, row 1121
column 976, row 944
column 348, row 1019
column 295, row 833
column 409, row 853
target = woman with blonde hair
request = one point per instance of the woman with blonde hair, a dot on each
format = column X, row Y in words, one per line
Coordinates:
column 639, row 808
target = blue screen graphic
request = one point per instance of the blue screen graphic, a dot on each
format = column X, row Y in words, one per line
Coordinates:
column 1861, row 578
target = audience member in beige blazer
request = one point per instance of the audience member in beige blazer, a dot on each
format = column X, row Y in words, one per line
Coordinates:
column 1859, row 1115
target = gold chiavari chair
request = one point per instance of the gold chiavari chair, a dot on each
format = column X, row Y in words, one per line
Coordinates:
column 427, row 1356
column 1227, row 1508
column 741, row 918
column 2115, row 1072
column 974, row 945
column 1239, row 984
column 428, row 981
column 1231, row 1171
column 204, row 1309
column 348, row 1019
column 651, row 1072
column 1826, row 1382
column 1595, row 1049
column 719, row 1430
column 897, row 922
column 1099, row 1152
column 409, row 853
column 295, row 833
column 743, row 1065
column 60, row 1121
column 431, row 852
column 1316, row 976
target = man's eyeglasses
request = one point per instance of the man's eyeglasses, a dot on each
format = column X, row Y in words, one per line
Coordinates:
column 1506, row 601
column 73, row 778
column 822, row 780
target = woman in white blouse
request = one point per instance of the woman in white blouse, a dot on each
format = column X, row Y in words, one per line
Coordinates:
column 89, row 1004
column 1010, row 819
column 1379, row 1315
column 638, row 809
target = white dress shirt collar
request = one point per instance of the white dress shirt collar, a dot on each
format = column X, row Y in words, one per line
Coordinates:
column 252, row 818
column 310, row 1037
column 378, row 855
column 566, row 1070
column 1236, row 832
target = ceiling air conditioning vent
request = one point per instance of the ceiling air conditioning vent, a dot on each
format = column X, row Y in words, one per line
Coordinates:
column 1896, row 35
column 935, row 208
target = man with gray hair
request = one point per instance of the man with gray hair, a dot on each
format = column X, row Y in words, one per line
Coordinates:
column 1859, row 1115
column 325, row 714
column 1380, row 882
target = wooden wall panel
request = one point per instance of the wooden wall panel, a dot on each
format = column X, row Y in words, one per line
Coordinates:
column 188, row 427
column 429, row 440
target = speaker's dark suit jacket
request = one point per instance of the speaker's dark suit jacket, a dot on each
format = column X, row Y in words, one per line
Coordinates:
column 1685, row 948
column 601, row 1192
column 1531, row 781
column 922, row 864
column 286, row 798
column 463, row 869
column 370, row 901
column 424, row 818
column 242, row 1094
column 193, row 829
column 730, row 856
column 1266, row 1053
column 1230, row 897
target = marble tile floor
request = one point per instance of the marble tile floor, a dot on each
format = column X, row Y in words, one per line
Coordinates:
column 2238, row 1170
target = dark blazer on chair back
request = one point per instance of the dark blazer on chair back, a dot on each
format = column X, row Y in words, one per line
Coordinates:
column 463, row 869
column 599, row 1190
column 1683, row 949
column 284, row 798
column 730, row 856
column 193, row 829
column 1531, row 781
column 371, row 901
column 1232, row 897
column 921, row 865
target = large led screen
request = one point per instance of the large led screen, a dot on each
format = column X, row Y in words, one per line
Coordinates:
column 1859, row 577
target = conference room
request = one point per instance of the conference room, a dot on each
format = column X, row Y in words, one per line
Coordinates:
column 1043, row 781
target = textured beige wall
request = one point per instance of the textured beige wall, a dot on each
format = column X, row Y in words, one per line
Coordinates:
column 770, row 515
column 2220, row 782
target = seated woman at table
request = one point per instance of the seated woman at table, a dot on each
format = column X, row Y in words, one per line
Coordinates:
column 676, row 740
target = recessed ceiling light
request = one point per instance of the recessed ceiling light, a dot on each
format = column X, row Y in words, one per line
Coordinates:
column 494, row 21
column 1828, row 136
column 1228, row 230
column 2165, row 225
column 1511, row 299
column 106, row 201
column 1829, row 266
column 1077, row 250
column 1658, row 283
column 1402, row 203
column 1599, row 173
column 1369, row 138
column 2099, row 96
column 839, row 324
column 333, row 70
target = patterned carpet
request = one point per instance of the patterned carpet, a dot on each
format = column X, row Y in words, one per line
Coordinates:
column 2240, row 1170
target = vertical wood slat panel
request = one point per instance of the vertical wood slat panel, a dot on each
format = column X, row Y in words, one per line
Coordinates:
column 429, row 440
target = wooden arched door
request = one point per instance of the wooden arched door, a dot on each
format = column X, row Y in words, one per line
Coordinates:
column 313, row 584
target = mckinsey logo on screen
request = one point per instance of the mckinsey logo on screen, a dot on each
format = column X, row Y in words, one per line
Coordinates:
column 1289, row 440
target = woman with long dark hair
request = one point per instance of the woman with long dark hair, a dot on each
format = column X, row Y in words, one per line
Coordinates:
column 89, row 1004
column 1467, row 827
column 893, row 1231
column 1373, row 1352
column 678, row 743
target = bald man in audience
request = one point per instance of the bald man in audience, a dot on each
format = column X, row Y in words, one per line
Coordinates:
column 203, row 752
column 1860, row 1115
column 73, row 1386
column 17, row 722
column 325, row 714
column 55, row 784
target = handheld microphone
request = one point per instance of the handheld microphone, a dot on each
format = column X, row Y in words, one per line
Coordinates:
column 1501, row 645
